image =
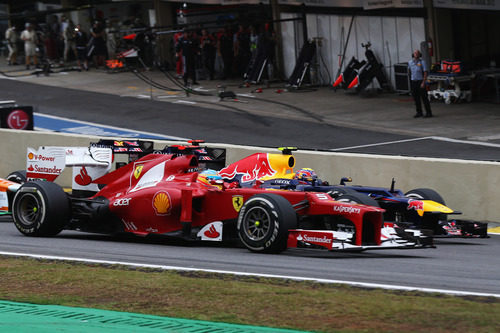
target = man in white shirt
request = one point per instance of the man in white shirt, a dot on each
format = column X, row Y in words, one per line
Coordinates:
column 11, row 38
column 29, row 37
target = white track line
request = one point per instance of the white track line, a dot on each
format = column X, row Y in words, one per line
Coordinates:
column 437, row 138
column 295, row 278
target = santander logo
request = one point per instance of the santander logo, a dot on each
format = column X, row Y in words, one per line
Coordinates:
column 212, row 232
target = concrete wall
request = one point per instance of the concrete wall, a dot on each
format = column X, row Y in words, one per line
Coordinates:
column 472, row 187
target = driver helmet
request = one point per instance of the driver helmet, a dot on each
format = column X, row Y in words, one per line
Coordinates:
column 306, row 175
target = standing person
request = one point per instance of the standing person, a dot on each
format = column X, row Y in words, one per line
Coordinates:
column 241, row 44
column 30, row 39
column 11, row 38
column 419, row 69
column 81, row 47
column 99, row 44
column 207, row 42
column 225, row 48
column 189, row 49
column 69, row 40
column 179, row 66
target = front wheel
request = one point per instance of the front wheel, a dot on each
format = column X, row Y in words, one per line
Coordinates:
column 264, row 221
column 40, row 209
column 425, row 194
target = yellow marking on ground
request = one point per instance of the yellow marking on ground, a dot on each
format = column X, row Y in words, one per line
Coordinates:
column 172, row 92
column 494, row 230
column 132, row 87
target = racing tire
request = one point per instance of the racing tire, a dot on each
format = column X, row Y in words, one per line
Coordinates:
column 428, row 194
column 338, row 191
column 41, row 209
column 425, row 194
column 17, row 176
column 359, row 198
column 264, row 221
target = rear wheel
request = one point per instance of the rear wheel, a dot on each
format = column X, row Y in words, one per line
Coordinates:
column 264, row 221
column 41, row 209
column 17, row 176
column 359, row 198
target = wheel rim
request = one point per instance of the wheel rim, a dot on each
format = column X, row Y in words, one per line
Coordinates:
column 257, row 223
column 29, row 210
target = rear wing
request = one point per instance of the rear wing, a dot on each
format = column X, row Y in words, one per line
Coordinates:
column 88, row 163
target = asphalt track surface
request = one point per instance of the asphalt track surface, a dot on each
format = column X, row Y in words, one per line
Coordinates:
column 456, row 264
column 466, row 265
column 231, row 126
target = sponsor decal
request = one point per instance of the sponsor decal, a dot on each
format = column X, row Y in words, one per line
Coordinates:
column 18, row 119
column 314, row 239
column 346, row 209
column 237, row 202
column 118, row 143
column 83, row 178
column 49, row 170
column 251, row 169
column 211, row 232
column 138, row 171
column 41, row 158
column 282, row 181
column 415, row 204
column 122, row 202
column 151, row 230
column 4, row 201
column 162, row 203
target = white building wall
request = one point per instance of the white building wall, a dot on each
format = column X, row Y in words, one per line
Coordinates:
column 392, row 38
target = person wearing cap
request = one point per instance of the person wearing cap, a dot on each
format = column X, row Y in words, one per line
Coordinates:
column 29, row 37
column 11, row 38
column 418, row 70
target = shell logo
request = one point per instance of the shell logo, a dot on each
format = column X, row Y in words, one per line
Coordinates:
column 161, row 203
column 31, row 156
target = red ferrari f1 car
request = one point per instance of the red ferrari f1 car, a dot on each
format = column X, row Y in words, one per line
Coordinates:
column 168, row 194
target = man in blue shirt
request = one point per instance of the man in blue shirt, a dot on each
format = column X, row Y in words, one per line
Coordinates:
column 418, row 70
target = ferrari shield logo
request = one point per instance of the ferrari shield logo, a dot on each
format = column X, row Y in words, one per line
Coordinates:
column 237, row 202
column 137, row 171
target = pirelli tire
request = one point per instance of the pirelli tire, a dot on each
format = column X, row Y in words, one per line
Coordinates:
column 359, row 198
column 41, row 209
column 425, row 194
column 428, row 194
column 264, row 221
column 17, row 176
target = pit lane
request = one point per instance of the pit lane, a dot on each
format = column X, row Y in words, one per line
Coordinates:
column 456, row 266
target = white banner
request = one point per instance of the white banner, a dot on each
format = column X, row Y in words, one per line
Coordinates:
column 468, row 4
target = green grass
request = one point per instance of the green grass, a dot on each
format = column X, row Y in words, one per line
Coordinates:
column 243, row 300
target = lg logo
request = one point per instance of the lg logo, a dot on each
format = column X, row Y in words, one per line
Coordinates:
column 122, row 202
column 18, row 119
